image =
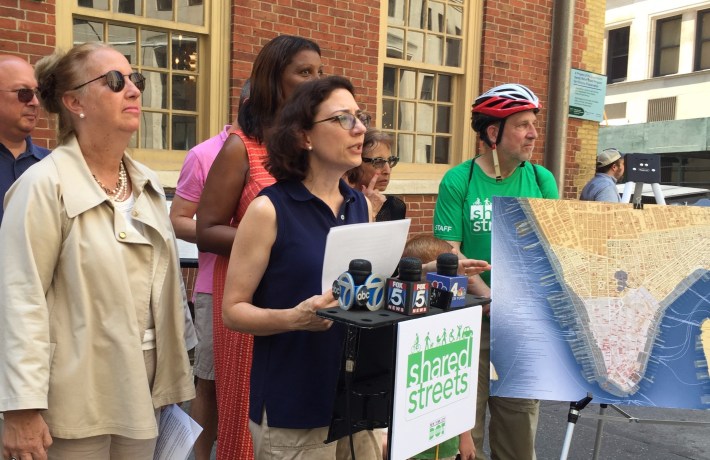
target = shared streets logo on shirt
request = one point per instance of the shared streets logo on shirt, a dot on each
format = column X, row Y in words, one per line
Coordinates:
column 481, row 215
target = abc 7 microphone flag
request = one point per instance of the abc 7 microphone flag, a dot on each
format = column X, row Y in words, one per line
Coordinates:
column 359, row 287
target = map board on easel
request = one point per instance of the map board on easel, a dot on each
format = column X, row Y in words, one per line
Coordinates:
column 601, row 298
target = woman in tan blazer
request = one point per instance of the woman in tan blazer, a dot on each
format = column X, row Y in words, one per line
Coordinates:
column 93, row 330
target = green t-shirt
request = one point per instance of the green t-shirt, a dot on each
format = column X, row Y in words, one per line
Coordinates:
column 464, row 208
column 448, row 448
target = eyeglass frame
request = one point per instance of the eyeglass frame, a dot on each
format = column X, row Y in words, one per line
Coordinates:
column 140, row 83
column 349, row 116
column 391, row 161
column 35, row 93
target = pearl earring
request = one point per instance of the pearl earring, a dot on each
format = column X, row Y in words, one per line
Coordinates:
column 310, row 147
column 81, row 115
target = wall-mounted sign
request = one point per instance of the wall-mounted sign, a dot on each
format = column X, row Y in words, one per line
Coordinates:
column 586, row 95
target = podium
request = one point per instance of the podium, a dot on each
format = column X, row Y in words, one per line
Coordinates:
column 366, row 385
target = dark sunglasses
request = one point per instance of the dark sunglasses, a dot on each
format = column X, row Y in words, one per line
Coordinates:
column 115, row 80
column 379, row 162
column 24, row 95
column 347, row 120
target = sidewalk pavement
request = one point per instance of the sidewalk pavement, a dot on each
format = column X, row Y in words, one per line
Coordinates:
column 623, row 440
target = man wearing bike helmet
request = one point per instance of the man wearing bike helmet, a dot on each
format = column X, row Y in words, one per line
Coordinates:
column 505, row 118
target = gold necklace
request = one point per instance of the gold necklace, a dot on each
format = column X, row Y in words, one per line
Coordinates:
column 118, row 192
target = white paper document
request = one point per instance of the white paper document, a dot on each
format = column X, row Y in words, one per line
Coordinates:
column 177, row 434
column 186, row 250
column 381, row 243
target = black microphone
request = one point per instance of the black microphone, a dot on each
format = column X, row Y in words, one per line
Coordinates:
column 448, row 288
column 406, row 293
column 359, row 287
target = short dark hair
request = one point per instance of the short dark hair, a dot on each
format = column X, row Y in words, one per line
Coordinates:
column 287, row 159
column 373, row 138
column 266, row 95
column 480, row 123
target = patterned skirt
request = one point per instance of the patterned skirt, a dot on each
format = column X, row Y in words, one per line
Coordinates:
column 232, row 362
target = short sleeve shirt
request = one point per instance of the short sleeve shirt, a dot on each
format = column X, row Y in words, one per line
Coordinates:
column 190, row 184
column 602, row 187
column 464, row 207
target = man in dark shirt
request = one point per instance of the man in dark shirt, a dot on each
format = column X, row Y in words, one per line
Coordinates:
column 19, row 112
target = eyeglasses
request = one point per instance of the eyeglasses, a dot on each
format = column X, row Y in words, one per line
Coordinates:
column 115, row 80
column 379, row 162
column 24, row 95
column 347, row 119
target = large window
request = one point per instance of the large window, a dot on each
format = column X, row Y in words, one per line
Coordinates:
column 185, row 11
column 702, row 41
column 617, row 59
column 423, row 67
column 167, row 57
column 179, row 47
column 169, row 61
column 667, row 49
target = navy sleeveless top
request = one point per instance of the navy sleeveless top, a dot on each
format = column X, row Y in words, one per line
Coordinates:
column 294, row 374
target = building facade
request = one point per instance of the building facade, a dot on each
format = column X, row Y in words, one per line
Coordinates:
column 657, row 62
column 417, row 65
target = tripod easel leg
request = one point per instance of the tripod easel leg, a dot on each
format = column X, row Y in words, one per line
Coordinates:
column 600, row 429
column 572, row 417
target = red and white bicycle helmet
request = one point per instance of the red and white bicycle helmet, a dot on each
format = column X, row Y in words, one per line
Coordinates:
column 497, row 104
column 505, row 100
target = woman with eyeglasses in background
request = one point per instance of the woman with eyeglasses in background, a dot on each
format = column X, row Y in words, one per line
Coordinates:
column 94, row 327
column 373, row 176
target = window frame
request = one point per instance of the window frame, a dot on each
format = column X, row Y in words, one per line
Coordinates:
column 699, row 41
column 425, row 177
column 612, row 54
column 658, row 49
column 213, row 96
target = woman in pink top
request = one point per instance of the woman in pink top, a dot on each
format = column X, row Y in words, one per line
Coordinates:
column 235, row 179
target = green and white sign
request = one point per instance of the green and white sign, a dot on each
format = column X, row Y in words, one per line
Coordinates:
column 587, row 91
column 436, row 380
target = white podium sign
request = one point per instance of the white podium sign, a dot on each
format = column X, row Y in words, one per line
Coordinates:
column 436, row 380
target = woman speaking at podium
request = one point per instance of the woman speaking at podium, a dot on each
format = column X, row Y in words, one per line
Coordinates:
column 273, row 287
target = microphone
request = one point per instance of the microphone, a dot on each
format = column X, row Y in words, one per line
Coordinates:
column 359, row 287
column 407, row 294
column 448, row 288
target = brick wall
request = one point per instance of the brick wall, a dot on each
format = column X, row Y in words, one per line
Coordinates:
column 516, row 48
column 420, row 208
column 346, row 31
column 581, row 160
column 189, row 276
column 28, row 30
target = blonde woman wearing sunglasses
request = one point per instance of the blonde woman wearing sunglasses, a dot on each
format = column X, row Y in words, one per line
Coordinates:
column 93, row 325
column 373, row 176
